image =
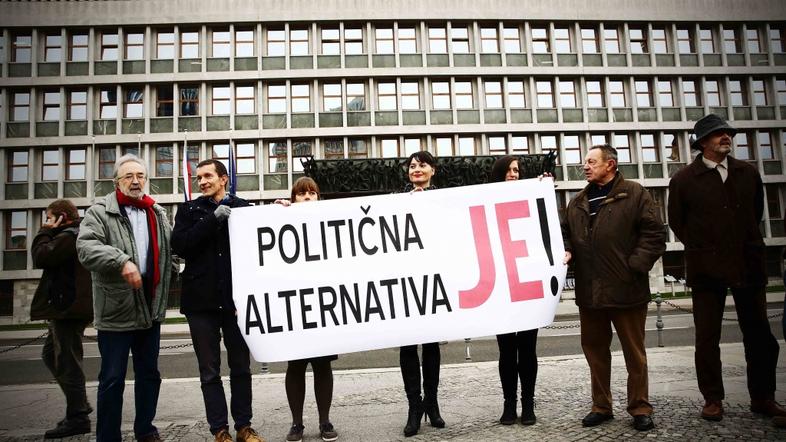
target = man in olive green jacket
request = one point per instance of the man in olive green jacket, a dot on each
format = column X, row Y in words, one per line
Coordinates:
column 124, row 242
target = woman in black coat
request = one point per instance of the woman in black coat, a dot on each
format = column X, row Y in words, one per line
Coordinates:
column 517, row 351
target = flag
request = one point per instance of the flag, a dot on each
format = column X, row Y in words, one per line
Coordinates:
column 232, row 171
column 186, row 170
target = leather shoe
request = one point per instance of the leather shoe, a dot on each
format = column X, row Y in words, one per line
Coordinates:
column 595, row 418
column 68, row 427
column 779, row 421
column 712, row 411
column 643, row 422
column 767, row 407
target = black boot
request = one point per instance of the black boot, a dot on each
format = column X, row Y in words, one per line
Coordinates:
column 508, row 413
column 69, row 427
column 413, row 417
column 528, row 411
column 431, row 407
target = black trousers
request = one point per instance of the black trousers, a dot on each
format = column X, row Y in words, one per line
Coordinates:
column 62, row 355
column 761, row 348
column 518, row 360
column 410, row 371
column 206, row 331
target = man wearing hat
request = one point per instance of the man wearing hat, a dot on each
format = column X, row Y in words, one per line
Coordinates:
column 715, row 206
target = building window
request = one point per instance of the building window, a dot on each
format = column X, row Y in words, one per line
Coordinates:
column 298, row 42
column 497, row 145
column 407, row 42
column 50, row 165
column 617, row 94
column 545, row 94
column 276, row 99
column 109, row 43
column 777, row 40
column 742, row 147
column 134, row 104
column 301, row 150
column 189, row 44
column 673, row 141
column 164, row 101
column 643, row 93
column 759, row 88
column 16, row 230
column 649, row 148
column 706, row 41
column 245, row 158
column 276, row 43
column 589, row 41
column 412, row 145
column 548, row 144
column 737, row 93
column 511, row 40
column 189, row 100
column 108, row 105
column 51, row 106
column 301, row 98
column 221, row 44
column 165, row 45
column 493, row 92
column 389, row 147
column 488, row 40
column 562, row 41
column 571, row 147
column 690, row 94
column 21, row 49
column 331, row 43
column 77, row 105
column 444, row 146
column 220, row 100
column 611, row 41
column 106, row 162
column 567, row 94
column 437, row 41
column 244, row 43
column 358, row 148
column 766, row 151
column 135, row 46
column 353, row 41
column 622, row 144
column 20, row 106
column 516, row 98
column 598, row 139
column 245, row 100
column 731, row 41
column 333, row 148
column 356, row 96
column 331, row 97
column 78, row 47
column 386, row 96
column 164, row 161
column 75, row 164
column 660, row 44
column 440, row 95
column 775, row 210
column 464, row 99
column 220, row 152
column 754, row 41
column 595, row 96
column 383, row 41
column 540, row 41
column 638, row 41
column 780, row 84
column 18, row 166
column 712, row 91
column 53, row 48
column 459, row 40
column 665, row 94
column 410, row 95
column 519, row 144
column 466, row 146
column 685, row 41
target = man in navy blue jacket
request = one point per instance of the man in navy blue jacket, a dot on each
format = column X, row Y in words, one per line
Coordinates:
column 201, row 237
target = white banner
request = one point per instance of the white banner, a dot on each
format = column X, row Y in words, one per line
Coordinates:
column 356, row 274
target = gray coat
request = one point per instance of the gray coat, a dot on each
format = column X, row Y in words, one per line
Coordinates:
column 105, row 243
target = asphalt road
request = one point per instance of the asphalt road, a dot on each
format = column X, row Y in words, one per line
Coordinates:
column 24, row 366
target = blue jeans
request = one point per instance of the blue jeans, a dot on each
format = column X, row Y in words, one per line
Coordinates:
column 114, row 348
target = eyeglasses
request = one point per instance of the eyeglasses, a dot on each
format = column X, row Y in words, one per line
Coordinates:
column 131, row 176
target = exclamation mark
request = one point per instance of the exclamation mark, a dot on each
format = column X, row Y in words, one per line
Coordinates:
column 544, row 232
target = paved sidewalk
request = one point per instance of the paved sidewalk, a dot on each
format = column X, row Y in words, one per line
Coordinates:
column 370, row 404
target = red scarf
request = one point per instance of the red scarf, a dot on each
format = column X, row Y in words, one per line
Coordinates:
column 146, row 204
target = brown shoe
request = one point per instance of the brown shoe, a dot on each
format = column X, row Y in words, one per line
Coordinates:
column 150, row 438
column 712, row 411
column 247, row 434
column 779, row 421
column 223, row 436
column 767, row 407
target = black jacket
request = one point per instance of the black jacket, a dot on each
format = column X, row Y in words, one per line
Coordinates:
column 203, row 241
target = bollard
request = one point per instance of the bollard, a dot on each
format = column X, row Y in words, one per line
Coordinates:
column 659, row 321
column 467, row 355
column 265, row 368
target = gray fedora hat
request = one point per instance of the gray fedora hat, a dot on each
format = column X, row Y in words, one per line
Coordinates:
column 706, row 125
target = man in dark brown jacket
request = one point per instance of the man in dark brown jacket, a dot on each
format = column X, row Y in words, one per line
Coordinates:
column 715, row 207
column 614, row 235
column 63, row 297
